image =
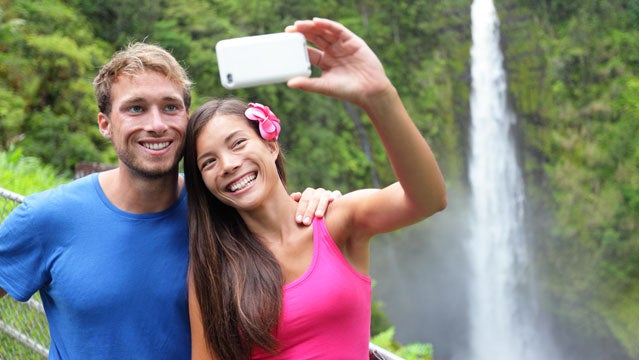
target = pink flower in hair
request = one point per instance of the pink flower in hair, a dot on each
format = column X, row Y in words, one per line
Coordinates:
column 269, row 123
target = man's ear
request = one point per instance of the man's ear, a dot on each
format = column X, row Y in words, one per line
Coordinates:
column 104, row 124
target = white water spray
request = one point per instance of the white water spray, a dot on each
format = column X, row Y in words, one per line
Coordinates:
column 501, row 328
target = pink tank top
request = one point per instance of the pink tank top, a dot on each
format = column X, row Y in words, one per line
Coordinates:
column 326, row 313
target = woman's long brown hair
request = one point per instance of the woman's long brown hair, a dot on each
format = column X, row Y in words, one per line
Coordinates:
column 237, row 279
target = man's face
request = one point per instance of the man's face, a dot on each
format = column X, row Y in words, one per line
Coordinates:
column 147, row 123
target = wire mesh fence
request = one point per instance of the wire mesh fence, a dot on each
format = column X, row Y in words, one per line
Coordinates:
column 24, row 332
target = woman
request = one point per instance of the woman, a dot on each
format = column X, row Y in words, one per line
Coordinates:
column 263, row 286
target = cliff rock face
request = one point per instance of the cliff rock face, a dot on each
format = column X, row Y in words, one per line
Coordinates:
column 573, row 83
column 571, row 76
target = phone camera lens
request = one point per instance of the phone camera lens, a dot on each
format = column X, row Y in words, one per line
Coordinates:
column 229, row 78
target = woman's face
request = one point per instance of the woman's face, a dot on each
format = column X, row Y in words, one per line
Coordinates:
column 237, row 165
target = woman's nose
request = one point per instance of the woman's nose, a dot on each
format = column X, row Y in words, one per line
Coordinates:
column 229, row 162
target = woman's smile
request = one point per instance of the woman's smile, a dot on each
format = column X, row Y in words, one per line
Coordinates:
column 242, row 183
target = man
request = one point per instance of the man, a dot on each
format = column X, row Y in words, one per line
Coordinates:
column 109, row 252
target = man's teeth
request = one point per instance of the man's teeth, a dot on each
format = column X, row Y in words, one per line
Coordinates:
column 156, row 146
column 242, row 183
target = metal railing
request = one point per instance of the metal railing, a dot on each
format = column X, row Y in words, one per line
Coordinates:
column 24, row 331
column 379, row 353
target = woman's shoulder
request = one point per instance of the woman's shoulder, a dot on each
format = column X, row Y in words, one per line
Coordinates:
column 342, row 214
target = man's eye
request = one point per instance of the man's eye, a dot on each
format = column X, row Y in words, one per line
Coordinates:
column 171, row 108
column 136, row 109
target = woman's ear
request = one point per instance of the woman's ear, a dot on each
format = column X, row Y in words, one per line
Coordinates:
column 274, row 148
column 104, row 124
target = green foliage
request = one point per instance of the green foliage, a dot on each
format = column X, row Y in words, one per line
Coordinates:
column 622, row 319
column 576, row 88
column 47, row 72
column 119, row 21
column 413, row 351
column 12, row 114
column 379, row 320
column 26, row 175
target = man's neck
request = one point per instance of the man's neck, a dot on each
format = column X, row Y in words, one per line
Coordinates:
column 140, row 195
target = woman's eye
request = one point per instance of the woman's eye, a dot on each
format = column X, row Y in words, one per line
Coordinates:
column 207, row 163
column 238, row 142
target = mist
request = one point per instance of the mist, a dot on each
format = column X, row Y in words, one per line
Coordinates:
column 422, row 276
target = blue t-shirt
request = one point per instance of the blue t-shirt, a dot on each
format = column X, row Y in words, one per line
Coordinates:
column 113, row 284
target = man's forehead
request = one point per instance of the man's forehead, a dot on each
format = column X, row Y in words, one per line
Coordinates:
column 146, row 84
column 142, row 76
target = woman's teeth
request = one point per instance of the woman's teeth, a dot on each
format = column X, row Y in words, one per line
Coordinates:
column 242, row 183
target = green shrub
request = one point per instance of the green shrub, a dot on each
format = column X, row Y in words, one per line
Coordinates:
column 413, row 351
column 26, row 175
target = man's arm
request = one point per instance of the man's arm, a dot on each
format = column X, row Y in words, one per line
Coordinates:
column 313, row 202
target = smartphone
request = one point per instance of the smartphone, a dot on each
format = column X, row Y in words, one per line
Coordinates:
column 262, row 59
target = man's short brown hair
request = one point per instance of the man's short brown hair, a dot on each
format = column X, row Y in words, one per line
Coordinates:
column 133, row 60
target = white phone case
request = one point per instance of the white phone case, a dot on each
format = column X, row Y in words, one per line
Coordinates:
column 262, row 59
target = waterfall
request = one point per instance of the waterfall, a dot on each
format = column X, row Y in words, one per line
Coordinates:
column 502, row 327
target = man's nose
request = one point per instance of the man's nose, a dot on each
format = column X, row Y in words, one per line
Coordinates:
column 156, row 121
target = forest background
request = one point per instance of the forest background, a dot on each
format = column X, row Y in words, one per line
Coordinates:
column 573, row 77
